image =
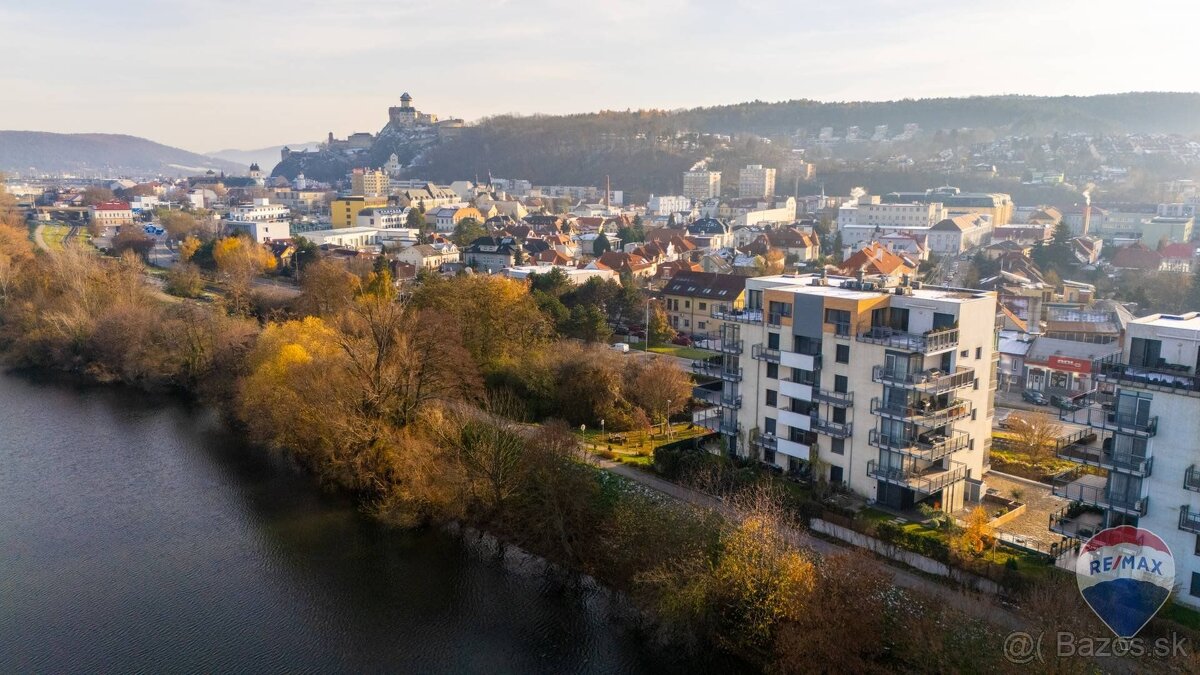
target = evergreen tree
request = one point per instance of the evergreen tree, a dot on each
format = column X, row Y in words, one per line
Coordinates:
column 601, row 245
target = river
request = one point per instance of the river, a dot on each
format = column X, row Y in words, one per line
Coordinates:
column 136, row 534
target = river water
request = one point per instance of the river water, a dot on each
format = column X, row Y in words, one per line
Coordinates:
column 137, row 535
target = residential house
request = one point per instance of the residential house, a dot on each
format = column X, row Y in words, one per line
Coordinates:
column 429, row 256
column 492, row 254
column 874, row 259
column 1178, row 258
column 710, row 233
column 1137, row 257
column 445, row 218
column 628, row 263
column 690, row 299
column 109, row 216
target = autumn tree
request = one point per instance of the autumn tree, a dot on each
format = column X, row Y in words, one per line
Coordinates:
column 975, row 536
column 185, row 280
column 178, row 224
column 659, row 386
column 1033, row 433
column 328, row 289
column 239, row 261
column 188, row 248
column 659, row 330
column 97, row 194
column 587, row 323
column 132, row 238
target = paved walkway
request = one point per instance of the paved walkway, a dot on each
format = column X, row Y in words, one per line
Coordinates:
column 1039, row 503
column 972, row 604
column 39, row 239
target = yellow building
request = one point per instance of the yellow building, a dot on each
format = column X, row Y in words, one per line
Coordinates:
column 369, row 183
column 343, row 211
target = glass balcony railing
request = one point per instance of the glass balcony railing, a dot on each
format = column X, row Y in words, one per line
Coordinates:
column 765, row 353
column 927, row 447
column 1093, row 489
column 924, row 343
column 932, row 415
column 1098, row 416
column 926, row 481
column 926, row 381
column 717, row 370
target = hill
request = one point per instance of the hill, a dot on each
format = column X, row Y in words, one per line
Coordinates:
column 264, row 157
column 645, row 151
column 101, row 155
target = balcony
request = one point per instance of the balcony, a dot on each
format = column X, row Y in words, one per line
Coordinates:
column 718, row 398
column 927, row 343
column 765, row 442
column 926, row 481
column 1090, row 455
column 765, row 353
column 1099, row 417
column 809, row 362
column 717, row 370
column 930, row 416
column 927, row 447
column 724, row 346
column 795, row 420
column 831, row 428
column 1092, row 489
column 798, row 390
column 1076, row 522
column 729, row 427
column 709, row 418
column 775, row 319
column 738, row 315
column 1189, row 520
column 793, row 448
column 1168, row 378
column 931, row 381
column 842, row 399
column 1191, row 479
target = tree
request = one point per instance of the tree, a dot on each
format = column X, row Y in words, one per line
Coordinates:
column 1034, row 434
column 659, row 387
column 188, row 248
column 587, row 323
column 132, row 238
column 659, row 331
column 491, row 449
column 178, row 224
column 415, row 219
column 327, row 289
column 601, row 245
column 306, row 252
column 96, row 194
column 468, row 230
column 185, row 281
column 553, row 283
column 239, row 261
column 975, row 536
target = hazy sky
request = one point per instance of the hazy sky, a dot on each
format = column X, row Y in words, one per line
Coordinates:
column 248, row 73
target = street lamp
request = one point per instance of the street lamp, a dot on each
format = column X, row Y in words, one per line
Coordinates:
column 668, row 419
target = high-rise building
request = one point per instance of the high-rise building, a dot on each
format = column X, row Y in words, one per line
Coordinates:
column 700, row 186
column 1144, row 467
column 882, row 386
column 369, row 183
column 756, row 181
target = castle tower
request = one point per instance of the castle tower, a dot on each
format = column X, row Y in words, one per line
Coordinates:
column 406, row 101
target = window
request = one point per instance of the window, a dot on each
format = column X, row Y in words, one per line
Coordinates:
column 700, row 325
column 687, row 304
column 703, row 306
column 837, row 446
column 978, row 353
column 843, row 354
column 769, row 426
column 1197, row 551
column 687, row 323
column 839, row 415
column 772, row 398
column 1194, row 591
column 769, row 456
column 773, row 371
column 840, row 319
column 840, row 384
column 773, row 340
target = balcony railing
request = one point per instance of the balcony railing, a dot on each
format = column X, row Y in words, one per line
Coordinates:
column 842, row 399
column 738, row 315
column 930, row 417
column 1189, row 520
column 841, row 330
column 775, row 319
column 1097, row 416
column 926, row 381
column 718, row 398
column 1191, row 479
column 927, row 481
column 831, row 428
column 1166, row 377
column 933, row 341
column 766, row 442
column 1092, row 489
column 765, row 353
column 728, row 428
column 717, row 370
column 931, row 448
column 1090, row 455
column 1075, row 522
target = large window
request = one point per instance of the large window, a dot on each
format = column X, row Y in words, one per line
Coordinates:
column 843, row 354
column 773, row 340
column 840, row 318
column 1144, row 353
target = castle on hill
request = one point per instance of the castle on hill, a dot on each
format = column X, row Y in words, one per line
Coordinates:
column 400, row 117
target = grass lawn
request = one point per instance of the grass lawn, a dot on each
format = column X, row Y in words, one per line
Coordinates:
column 54, row 233
column 1023, row 465
column 637, row 447
column 674, row 350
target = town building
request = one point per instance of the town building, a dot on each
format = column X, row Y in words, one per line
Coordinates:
column 880, row 386
column 445, row 218
column 369, row 183
column 756, row 181
column 998, row 205
column 343, row 211
column 110, row 216
column 701, row 185
column 383, row 216
column 690, row 298
column 667, row 204
column 429, row 256
column 261, row 220
column 492, row 254
column 1144, row 470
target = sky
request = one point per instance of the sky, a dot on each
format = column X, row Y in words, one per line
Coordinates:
column 248, row 73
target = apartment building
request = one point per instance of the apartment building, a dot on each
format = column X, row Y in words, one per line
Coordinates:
column 700, row 186
column 884, row 387
column 369, row 183
column 1144, row 469
column 343, row 211
column 997, row 205
column 756, row 181
column 691, row 297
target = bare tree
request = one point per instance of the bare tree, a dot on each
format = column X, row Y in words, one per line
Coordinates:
column 1033, row 433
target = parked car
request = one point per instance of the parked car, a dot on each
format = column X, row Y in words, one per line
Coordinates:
column 622, row 347
column 1035, row 397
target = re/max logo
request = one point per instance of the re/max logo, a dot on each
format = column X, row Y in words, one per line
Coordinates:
column 1136, row 563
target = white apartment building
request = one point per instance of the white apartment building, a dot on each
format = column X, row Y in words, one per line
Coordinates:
column 883, row 388
column 662, row 205
column 756, row 181
column 1144, row 469
column 260, row 219
column 700, row 186
column 870, row 213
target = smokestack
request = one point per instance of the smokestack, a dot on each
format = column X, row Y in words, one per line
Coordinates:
column 607, row 193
